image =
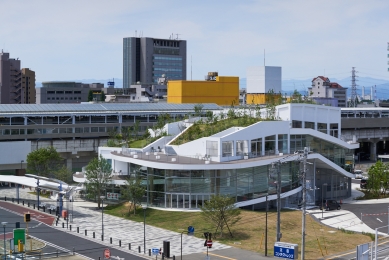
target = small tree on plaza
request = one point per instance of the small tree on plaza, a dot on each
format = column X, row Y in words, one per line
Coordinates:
column 98, row 175
column 221, row 212
column 133, row 191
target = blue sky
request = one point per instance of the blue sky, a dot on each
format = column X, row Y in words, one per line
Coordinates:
column 67, row 40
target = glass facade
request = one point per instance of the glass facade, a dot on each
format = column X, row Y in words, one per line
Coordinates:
column 172, row 67
column 188, row 189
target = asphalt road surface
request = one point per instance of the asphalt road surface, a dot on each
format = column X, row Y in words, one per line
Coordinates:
column 39, row 227
column 373, row 215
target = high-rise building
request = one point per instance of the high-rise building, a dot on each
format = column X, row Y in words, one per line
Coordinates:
column 10, row 79
column 147, row 59
column 28, row 87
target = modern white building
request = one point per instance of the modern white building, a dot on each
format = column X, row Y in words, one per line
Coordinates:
column 242, row 162
column 262, row 79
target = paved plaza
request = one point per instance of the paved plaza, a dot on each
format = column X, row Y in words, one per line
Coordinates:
column 87, row 217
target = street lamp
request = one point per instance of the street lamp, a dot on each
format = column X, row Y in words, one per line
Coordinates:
column 144, row 207
column 102, row 217
column 22, row 161
column 5, row 252
column 322, row 198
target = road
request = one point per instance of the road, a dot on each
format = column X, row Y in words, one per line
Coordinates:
column 39, row 228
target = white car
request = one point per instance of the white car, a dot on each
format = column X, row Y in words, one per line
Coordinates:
column 358, row 174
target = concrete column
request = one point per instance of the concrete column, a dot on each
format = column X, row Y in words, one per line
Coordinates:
column 69, row 163
column 373, row 151
column 276, row 146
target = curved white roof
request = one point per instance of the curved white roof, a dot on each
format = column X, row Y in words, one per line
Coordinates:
column 31, row 182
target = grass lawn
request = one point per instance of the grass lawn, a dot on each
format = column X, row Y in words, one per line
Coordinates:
column 47, row 195
column 248, row 233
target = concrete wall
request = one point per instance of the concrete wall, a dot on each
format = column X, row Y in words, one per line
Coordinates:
column 262, row 79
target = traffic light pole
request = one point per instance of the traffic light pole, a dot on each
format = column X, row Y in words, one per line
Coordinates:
column 304, row 202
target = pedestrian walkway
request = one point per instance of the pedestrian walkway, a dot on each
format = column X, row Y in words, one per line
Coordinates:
column 87, row 217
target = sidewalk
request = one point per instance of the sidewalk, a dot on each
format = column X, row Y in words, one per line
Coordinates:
column 86, row 217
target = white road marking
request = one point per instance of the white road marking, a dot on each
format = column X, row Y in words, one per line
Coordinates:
column 379, row 220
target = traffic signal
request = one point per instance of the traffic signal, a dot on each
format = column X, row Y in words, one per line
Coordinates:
column 27, row 217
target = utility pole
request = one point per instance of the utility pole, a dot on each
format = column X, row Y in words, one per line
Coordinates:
column 279, row 234
column 304, row 182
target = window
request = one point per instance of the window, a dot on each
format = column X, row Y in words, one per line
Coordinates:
column 241, row 148
column 227, row 148
column 211, row 147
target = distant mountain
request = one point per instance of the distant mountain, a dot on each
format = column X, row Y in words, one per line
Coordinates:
column 382, row 86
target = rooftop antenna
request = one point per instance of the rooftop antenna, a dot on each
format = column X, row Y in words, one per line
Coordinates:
column 264, row 56
column 177, row 36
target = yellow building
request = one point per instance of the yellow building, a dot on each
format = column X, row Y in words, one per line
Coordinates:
column 262, row 99
column 221, row 90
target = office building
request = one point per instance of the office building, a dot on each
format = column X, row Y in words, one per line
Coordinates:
column 147, row 59
column 10, row 80
column 28, row 87
column 69, row 92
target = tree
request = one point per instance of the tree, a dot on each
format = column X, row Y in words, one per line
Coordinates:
column 98, row 175
column 198, row 109
column 90, row 95
column 63, row 174
column 44, row 162
column 133, row 190
column 221, row 211
column 102, row 96
column 377, row 178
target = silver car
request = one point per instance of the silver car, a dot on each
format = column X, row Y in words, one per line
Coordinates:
column 358, row 174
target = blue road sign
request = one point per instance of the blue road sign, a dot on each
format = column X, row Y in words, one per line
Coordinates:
column 286, row 250
column 155, row 251
column 190, row 230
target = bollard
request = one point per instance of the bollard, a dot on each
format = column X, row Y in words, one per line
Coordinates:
column 78, row 230
column 129, row 246
column 70, row 226
column 63, row 225
column 139, row 249
column 44, row 209
column 12, row 199
column 28, row 204
column 86, row 232
column 50, row 211
column 23, row 202
column 18, row 201
column 120, row 243
column 174, row 257
column 163, row 256
column 102, row 237
column 34, row 206
column 93, row 234
column 57, row 253
column 74, row 250
column 5, row 198
column 110, row 240
column 149, row 252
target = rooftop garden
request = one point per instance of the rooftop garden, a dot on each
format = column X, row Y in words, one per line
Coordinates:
column 210, row 124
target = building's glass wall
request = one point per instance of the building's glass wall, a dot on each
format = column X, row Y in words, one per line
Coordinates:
column 332, row 152
column 190, row 188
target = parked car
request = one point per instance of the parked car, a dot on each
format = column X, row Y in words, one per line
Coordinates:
column 363, row 184
column 330, row 205
column 358, row 174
